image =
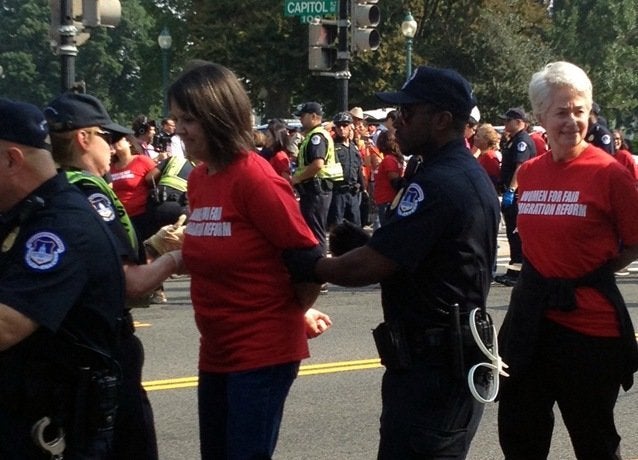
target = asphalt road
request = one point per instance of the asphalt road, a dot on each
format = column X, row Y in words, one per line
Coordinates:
column 333, row 408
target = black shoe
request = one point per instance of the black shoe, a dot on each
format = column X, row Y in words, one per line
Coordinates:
column 506, row 280
column 324, row 288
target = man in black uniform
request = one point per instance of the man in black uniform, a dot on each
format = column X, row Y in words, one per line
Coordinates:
column 346, row 194
column 519, row 148
column 598, row 133
column 59, row 310
column 317, row 170
column 82, row 133
column 433, row 258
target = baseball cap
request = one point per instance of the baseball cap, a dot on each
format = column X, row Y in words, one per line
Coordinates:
column 475, row 115
column 445, row 88
column 71, row 111
column 595, row 108
column 514, row 113
column 309, row 107
column 23, row 124
column 342, row 117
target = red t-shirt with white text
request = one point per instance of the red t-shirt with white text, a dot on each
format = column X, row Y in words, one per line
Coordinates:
column 572, row 217
column 245, row 306
column 130, row 185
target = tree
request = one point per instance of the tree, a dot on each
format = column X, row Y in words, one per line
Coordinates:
column 602, row 38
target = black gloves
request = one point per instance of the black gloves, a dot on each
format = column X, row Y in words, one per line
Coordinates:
column 346, row 237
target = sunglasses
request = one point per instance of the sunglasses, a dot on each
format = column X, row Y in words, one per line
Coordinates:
column 106, row 135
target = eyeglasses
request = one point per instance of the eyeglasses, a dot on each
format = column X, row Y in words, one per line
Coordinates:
column 483, row 378
column 106, row 135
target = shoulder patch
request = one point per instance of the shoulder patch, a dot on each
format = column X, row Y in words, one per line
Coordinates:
column 410, row 200
column 315, row 139
column 43, row 250
column 606, row 139
column 590, row 138
column 521, row 146
column 103, row 206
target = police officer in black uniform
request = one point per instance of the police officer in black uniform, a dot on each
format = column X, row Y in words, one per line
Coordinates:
column 433, row 258
column 59, row 310
column 82, row 134
column 317, row 170
column 168, row 199
column 346, row 194
column 598, row 133
column 519, row 148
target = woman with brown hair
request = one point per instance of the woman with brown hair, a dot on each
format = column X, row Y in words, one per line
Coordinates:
column 388, row 180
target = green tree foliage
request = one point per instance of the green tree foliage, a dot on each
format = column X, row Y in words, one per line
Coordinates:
column 601, row 36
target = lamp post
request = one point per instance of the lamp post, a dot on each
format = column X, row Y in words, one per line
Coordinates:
column 164, row 40
column 408, row 29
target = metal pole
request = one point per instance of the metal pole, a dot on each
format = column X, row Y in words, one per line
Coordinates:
column 343, row 55
column 68, row 50
column 165, row 81
column 408, row 62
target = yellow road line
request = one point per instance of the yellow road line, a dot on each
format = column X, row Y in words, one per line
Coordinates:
column 310, row 369
column 137, row 324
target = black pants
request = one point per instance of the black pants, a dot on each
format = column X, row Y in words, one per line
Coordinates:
column 314, row 208
column 345, row 205
column 427, row 414
column 509, row 216
column 134, row 437
column 579, row 373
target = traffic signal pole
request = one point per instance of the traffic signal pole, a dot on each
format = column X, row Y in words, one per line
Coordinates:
column 67, row 49
column 343, row 55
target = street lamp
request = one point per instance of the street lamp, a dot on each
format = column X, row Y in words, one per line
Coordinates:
column 164, row 40
column 408, row 29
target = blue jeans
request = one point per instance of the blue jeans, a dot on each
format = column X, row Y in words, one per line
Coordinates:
column 240, row 412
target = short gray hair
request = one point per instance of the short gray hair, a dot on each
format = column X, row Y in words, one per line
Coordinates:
column 560, row 74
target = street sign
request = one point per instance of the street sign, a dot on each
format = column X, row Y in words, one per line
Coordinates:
column 310, row 7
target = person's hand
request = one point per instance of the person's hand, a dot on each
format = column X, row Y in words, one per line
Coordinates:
column 316, row 323
column 345, row 237
column 167, row 238
column 508, row 198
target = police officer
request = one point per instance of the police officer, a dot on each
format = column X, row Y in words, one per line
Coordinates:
column 59, row 310
column 346, row 194
column 168, row 200
column 317, row 170
column 82, row 134
column 519, row 148
column 433, row 258
column 598, row 133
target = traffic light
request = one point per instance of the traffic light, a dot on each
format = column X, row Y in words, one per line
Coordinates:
column 365, row 16
column 322, row 44
column 85, row 14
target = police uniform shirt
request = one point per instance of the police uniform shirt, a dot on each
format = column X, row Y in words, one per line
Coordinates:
column 110, row 215
column 317, row 147
column 601, row 137
column 350, row 159
column 519, row 149
column 59, row 267
column 442, row 233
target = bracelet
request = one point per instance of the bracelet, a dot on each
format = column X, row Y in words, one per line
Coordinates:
column 174, row 258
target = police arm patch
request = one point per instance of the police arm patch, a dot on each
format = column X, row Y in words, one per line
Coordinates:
column 410, row 200
column 316, row 139
column 103, row 206
column 606, row 139
column 521, row 146
column 43, row 250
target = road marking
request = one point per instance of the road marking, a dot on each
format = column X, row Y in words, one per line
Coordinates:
column 137, row 324
column 309, row 369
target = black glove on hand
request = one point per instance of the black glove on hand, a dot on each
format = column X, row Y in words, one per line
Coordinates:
column 301, row 264
column 345, row 237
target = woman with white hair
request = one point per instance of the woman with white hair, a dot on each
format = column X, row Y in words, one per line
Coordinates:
column 567, row 335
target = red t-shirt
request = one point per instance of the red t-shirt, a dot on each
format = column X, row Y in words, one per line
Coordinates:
column 383, row 190
column 280, row 162
column 245, row 306
column 625, row 158
column 130, row 186
column 492, row 165
column 571, row 218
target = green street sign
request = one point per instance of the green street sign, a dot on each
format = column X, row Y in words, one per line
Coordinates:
column 310, row 8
